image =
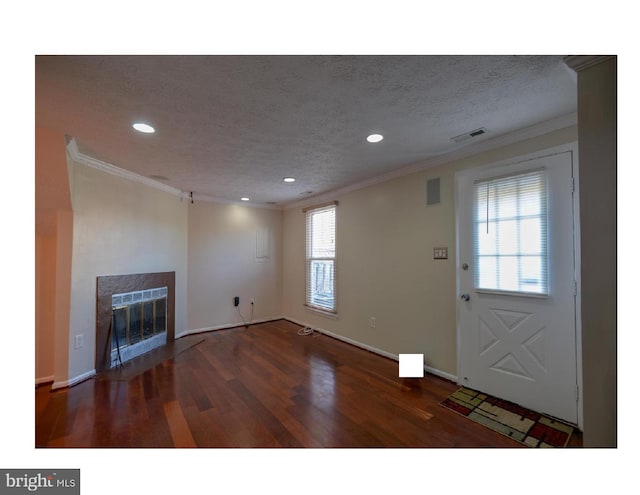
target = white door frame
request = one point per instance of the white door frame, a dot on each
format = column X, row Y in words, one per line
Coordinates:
column 573, row 148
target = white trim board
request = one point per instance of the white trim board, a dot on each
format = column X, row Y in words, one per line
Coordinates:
column 226, row 326
column 375, row 350
column 583, row 62
column 212, row 199
column 73, row 381
column 89, row 374
column 471, row 149
column 44, row 379
column 77, row 156
column 458, row 153
column 578, row 276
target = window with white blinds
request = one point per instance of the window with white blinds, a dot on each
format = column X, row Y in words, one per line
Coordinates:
column 321, row 257
column 510, row 233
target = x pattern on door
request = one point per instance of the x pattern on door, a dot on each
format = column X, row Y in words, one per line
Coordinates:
column 512, row 342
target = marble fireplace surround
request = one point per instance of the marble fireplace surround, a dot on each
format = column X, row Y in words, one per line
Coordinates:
column 116, row 284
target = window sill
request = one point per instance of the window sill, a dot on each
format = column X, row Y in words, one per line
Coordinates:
column 326, row 314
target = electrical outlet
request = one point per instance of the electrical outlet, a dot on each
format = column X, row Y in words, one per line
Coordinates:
column 78, row 342
column 236, row 301
column 372, row 322
column 251, row 300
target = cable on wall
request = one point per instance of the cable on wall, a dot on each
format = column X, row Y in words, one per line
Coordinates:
column 245, row 323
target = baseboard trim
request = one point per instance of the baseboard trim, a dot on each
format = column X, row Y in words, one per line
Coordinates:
column 441, row 374
column 73, row 381
column 44, row 379
column 375, row 350
column 226, row 326
column 89, row 374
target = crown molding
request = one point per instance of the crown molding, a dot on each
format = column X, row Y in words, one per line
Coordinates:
column 79, row 157
column 212, row 199
column 582, row 62
column 442, row 159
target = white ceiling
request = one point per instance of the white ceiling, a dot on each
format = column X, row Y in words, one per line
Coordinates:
column 232, row 126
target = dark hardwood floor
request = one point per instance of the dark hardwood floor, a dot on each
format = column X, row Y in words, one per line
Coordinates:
column 262, row 386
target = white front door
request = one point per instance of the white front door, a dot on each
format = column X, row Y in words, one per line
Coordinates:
column 516, row 283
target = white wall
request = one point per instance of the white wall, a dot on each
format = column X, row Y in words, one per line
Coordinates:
column 385, row 240
column 223, row 264
column 120, row 227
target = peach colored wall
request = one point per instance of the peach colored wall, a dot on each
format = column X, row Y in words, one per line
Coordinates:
column 45, row 279
column 54, row 231
column 51, row 179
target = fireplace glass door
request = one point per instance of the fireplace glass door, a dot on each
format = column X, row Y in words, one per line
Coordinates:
column 139, row 323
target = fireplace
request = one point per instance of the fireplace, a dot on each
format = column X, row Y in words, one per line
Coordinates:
column 139, row 323
column 135, row 314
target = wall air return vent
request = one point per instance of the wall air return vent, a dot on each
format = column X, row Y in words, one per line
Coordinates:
column 469, row 135
column 433, row 191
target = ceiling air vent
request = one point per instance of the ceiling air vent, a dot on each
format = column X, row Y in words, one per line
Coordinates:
column 469, row 135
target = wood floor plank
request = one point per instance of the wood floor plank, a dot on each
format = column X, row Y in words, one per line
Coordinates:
column 263, row 386
column 275, row 427
column 205, row 428
column 178, row 426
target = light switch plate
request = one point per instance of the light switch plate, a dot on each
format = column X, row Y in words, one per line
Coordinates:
column 440, row 253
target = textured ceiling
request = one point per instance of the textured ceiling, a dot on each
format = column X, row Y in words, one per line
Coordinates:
column 232, row 126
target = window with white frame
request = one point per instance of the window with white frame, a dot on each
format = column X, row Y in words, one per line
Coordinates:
column 321, row 257
column 510, row 233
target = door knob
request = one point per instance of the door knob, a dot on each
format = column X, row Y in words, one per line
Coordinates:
column 465, row 297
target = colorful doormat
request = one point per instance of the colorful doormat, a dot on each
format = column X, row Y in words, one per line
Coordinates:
column 525, row 426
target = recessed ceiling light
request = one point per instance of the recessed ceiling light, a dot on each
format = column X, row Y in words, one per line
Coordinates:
column 142, row 127
column 375, row 138
column 245, row 199
column 289, row 179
